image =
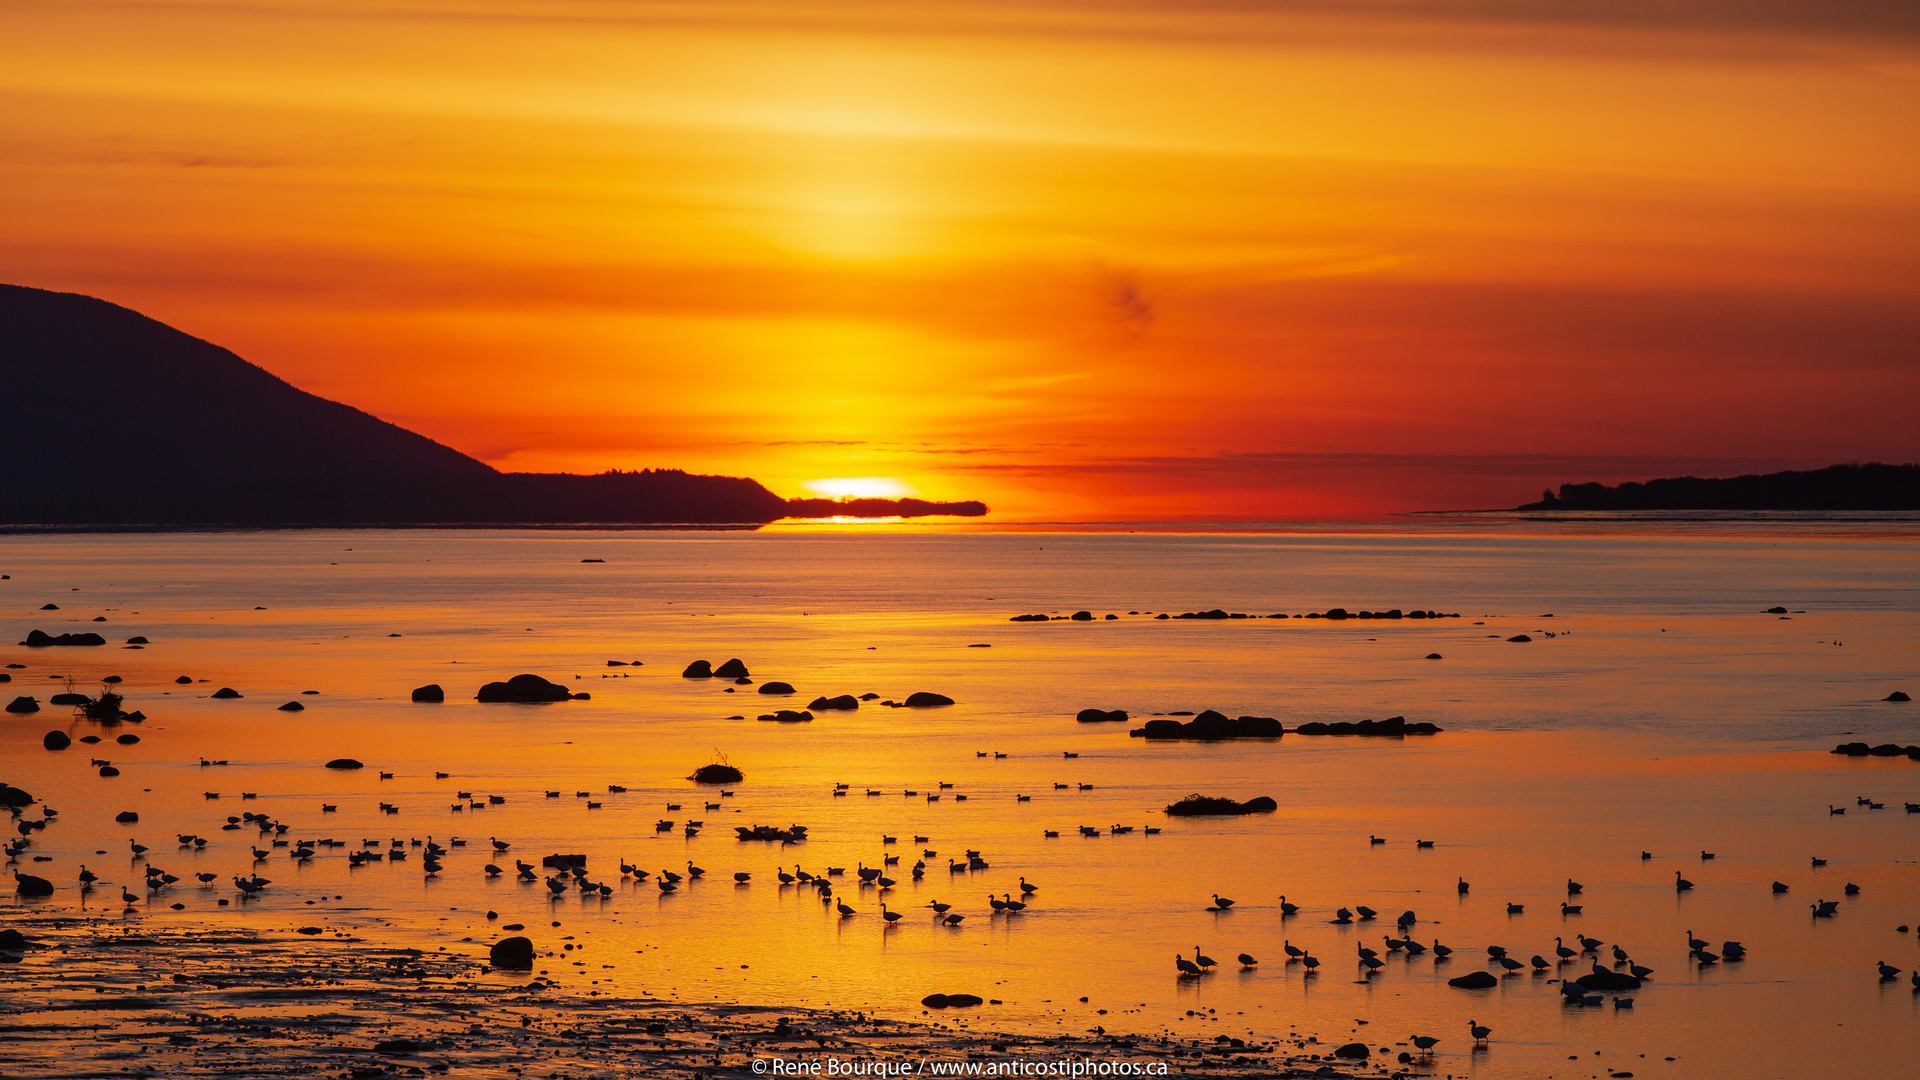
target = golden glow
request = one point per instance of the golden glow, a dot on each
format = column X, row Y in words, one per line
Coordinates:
column 859, row 487
column 1073, row 259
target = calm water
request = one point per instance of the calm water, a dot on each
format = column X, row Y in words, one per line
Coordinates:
column 1667, row 714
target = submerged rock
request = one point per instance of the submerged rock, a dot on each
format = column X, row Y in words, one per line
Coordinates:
column 843, row 703
column 292, row 706
column 28, row 885
column 344, row 763
column 1213, row 726
column 951, row 1001
column 1897, row 695
column 699, row 669
column 1520, row 637
column 1391, row 727
column 787, row 716
column 68, row 699
column 1474, row 980
column 56, row 740
column 127, row 817
column 513, row 952
column 776, row 688
column 13, row 796
column 717, row 774
column 925, row 700
column 732, row 669
column 1210, row 806
column 1100, row 716
column 226, row 693
column 23, row 705
column 1354, row 1052
column 1608, row 980
column 40, row 639
column 128, row 739
column 524, row 689
column 429, row 693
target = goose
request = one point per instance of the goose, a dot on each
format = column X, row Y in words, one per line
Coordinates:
column 1424, row 1043
column 1573, row 887
column 1393, row 944
column 891, row 916
column 1733, row 950
column 1817, row 861
column 1851, row 889
column 694, row 871
column 845, row 911
column 742, row 876
column 1222, row 904
column 1406, row 919
column 1496, row 952
column 1637, row 971
column 1588, row 944
column 1460, row 886
column 1423, row 843
column 207, row 879
column 1479, row 1033
column 1560, row 948
column 671, row 877
column 498, row 844
column 87, row 877
column 665, row 885
column 1186, row 966
column 557, row 885
column 940, row 908
column 954, row 867
column 1311, row 963
column 1888, row 972
column 1619, row 955
column 1511, row 964
column 260, row 855
column 1645, row 855
column 1203, row 961
column 1012, row 904
column 1680, row 884
column 1705, row 958
column 1516, row 909
column 1571, row 909
column 1287, row 910
column 954, row 920
column 1440, row 952
column 1540, row 962
column 1371, row 963
column 1294, row 952
column 1366, row 913
column 1364, row 952
column 1705, row 855
column 890, row 860
column 138, row 848
column 492, row 870
column 1343, row 916
column 1247, row 961
column 786, row 878
column 1824, row 909
column 1779, row 887
column 996, row 903
column 1371, row 839
column 1414, row 948
column 130, row 897
column 1029, row 890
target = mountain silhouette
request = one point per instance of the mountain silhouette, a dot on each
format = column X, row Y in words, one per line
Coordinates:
column 117, row 419
column 1872, row 486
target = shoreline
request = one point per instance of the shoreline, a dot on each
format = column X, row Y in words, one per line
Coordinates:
column 85, row 1001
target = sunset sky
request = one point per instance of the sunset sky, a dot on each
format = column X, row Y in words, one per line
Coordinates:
column 1119, row 260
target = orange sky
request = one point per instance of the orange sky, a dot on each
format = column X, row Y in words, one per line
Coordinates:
column 1082, row 260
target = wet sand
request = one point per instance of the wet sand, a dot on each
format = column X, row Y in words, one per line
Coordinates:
column 96, row 997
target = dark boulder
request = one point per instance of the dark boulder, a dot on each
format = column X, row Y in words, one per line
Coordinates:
column 1029, row 618
column 13, row 796
column 1474, row 980
column 717, row 774
column 226, row 693
column 1888, row 750
column 524, row 689
column 1897, row 695
column 344, row 763
column 28, row 885
column 925, row 700
column 1082, row 616
column 1433, row 656
column 1852, row 749
column 40, row 639
column 23, row 705
column 776, row 688
column 127, row 817
column 12, row 940
column 138, row 641
column 787, row 716
column 292, row 706
column 128, row 739
column 1210, row 806
column 1100, row 716
column 1354, row 1052
column 732, row 669
column 89, row 738
column 1608, row 980
column 1776, row 610
column 109, row 771
column 951, row 1001
column 843, row 703
column 56, row 740
column 68, row 699
column 1212, row 726
column 184, row 680
column 699, row 669
column 4, row 677
column 1520, row 637
column 1391, row 727
column 429, row 693
column 513, row 952
column 408, row 1046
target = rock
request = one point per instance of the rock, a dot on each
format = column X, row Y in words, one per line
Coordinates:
column 13, row 796
column 776, row 688
column 843, row 703
column 4, row 677
column 1212, row 806
column 951, row 1001
column 109, row 771
column 23, row 705
column 12, row 940
column 1100, row 716
column 513, row 952
column 292, row 706
column 89, row 738
column 1029, row 618
column 732, row 669
column 40, row 639
column 1354, row 1051
column 1520, row 637
column 127, row 817
column 1433, row 656
column 138, row 641
column 56, row 740
column 49, row 607
column 28, row 885
column 524, row 689
column 1474, row 980
column 128, row 739
column 717, row 774
column 226, row 693
column 787, row 716
column 68, row 699
column 310, row 931
column 184, row 680
column 699, row 669
column 1776, row 610
column 925, row 700
column 1082, row 616
column 408, row 1046
column 344, row 763
column 429, row 693
column 1888, row 750
column 1897, row 695
column 1391, row 727
column 1608, row 980
column 1852, row 749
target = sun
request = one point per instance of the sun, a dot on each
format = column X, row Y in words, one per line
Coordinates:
column 859, row 487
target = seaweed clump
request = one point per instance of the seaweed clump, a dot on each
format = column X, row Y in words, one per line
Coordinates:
column 1208, row 806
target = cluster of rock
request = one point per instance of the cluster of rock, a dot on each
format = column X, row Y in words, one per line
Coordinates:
column 1860, row 749
column 717, row 773
column 1208, row 806
column 951, row 1001
column 787, row 716
column 843, row 703
column 792, row 834
column 735, row 669
column 40, row 639
column 1213, row 726
column 1335, row 614
column 525, row 689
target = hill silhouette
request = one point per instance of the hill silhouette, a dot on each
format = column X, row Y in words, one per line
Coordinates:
column 1872, row 486
column 117, row 419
